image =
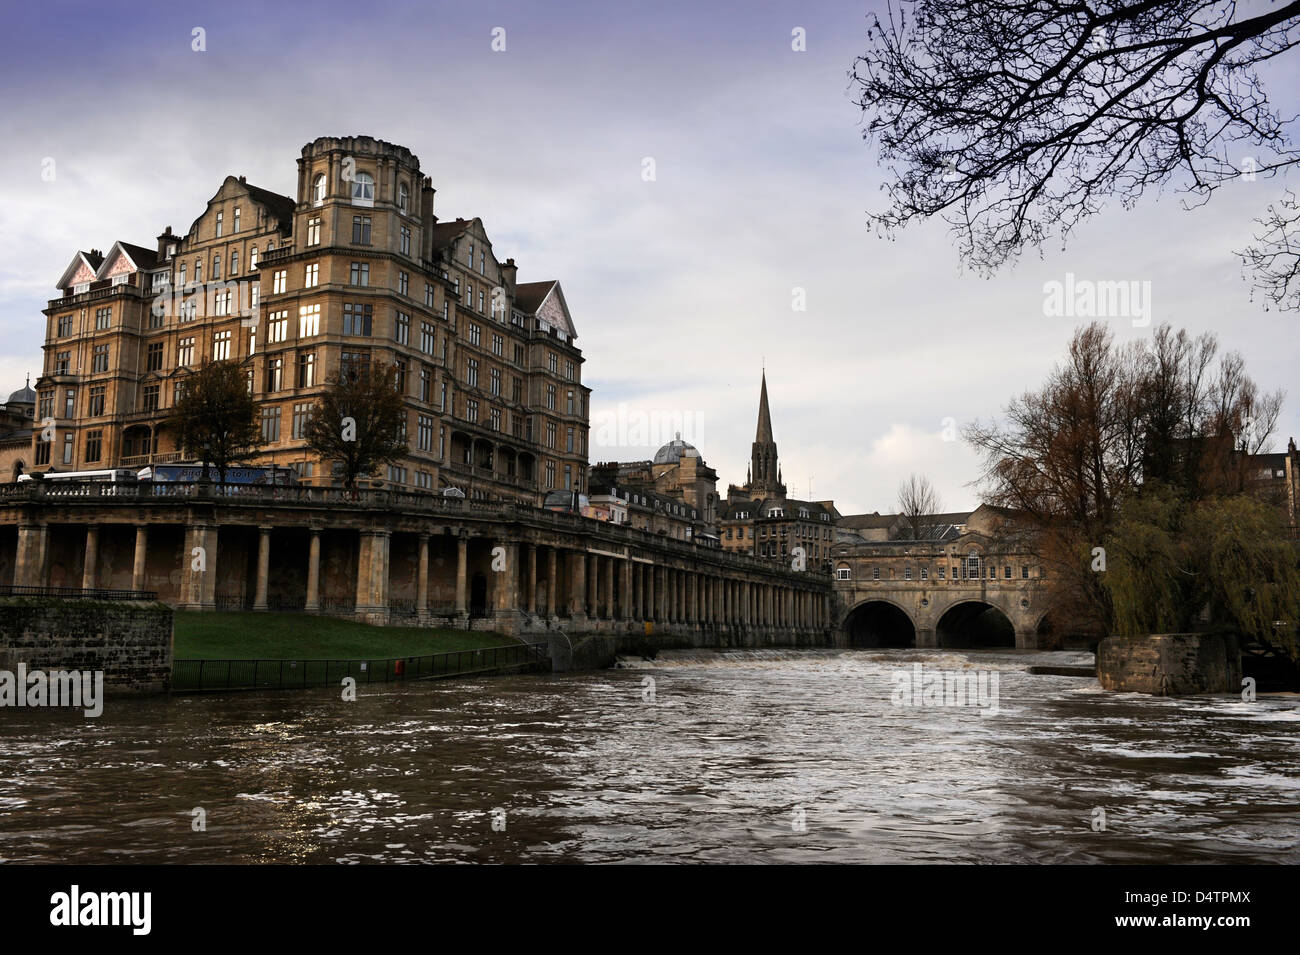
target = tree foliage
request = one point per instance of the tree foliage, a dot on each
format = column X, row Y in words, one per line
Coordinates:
column 1015, row 121
column 216, row 418
column 359, row 421
column 1117, row 450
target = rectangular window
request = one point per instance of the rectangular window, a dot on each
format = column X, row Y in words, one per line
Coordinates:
column 471, row 372
column 65, row 325
column 360, row 273
column 402, row 328
column 517, row 390
column 1024, row 571
column 279, row 281
column 426, row 383
column 94, row 445
column 235, row 223
column 307, row 370
column 46, row 407
column 270, row 424
column 149, row 400
column 61, row 362
column 311, row 275
column 308, row 320
column 550, row 434
column 424, row 433
column 96, row 401
column 234, row 262
column 494, row 381
column 216, row 266
column 361, row 230
column 550, row 475
column 471, row 410
column 356, row 319
column 103, row 318
column 69, row 403
column 154, row 357
column 67, row 448
column 428, row 339
column 428, row 295
column 475, row 334
column 301, row 418
column 550, row 397
column 494, row 419
column 220, row 223
column 553, row 363
column 568, row 370
column 274, row 374
column 277, row 327
column 313, row 230
column 875, row 573
column 355, row 364
column 220, row 346
column 99, row 360
column 406, row 240
column 403, row 283
column 498, row 346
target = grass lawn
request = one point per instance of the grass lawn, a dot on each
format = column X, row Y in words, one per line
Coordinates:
column 269, row 636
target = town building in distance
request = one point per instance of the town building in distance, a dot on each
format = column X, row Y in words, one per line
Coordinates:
column 761, row 520
column 675, row 494
column 354, row 269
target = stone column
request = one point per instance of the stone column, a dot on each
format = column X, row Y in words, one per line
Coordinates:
column 29, row 564
column 422, row 581
column 625, row 605
column 593, row 586
column 505, row 586
column 91, row 560
column 199, row 560
column 138, row 573
column 577, row 585
column 263, row 567
column 372, row 577
column 531, row 585
column 652, row 593
column 462, row 572
column 313, row 573
column 552, row 572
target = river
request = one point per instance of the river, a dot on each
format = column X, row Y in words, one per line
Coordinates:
column 739, row 756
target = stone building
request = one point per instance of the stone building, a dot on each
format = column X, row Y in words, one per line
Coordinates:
column 354, row 269
column 761, row 520
column 676, row 493
column 977, row 585
column 16, row 416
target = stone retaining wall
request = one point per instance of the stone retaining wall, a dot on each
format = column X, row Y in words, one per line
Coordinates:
column 1170, row 664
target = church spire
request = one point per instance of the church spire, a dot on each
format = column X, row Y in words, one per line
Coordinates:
column 764, row 434
column 765, row 473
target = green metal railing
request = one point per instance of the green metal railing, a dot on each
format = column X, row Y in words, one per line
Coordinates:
column 196, row 676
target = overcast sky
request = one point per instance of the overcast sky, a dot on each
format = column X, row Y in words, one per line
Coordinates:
column 681, row 287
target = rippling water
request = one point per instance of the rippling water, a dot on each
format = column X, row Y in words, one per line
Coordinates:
column 733, row 750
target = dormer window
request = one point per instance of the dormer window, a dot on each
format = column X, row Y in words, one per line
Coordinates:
column 363, row 189
column 80, row 287
column 318, row 190
column 120, row 279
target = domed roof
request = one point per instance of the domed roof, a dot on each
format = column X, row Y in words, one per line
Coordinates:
column 24, row 395
column 675, row 450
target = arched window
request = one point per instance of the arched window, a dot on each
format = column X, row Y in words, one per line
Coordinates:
column 842, row 572
column 318, row 190
column 363, row 189
column 403, row 197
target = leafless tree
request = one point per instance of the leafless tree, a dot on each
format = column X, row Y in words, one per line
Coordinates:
column 918, row 503
column 1016, row 120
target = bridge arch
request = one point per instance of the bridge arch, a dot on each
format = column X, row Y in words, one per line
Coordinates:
column 975, row 622
column 879, row 623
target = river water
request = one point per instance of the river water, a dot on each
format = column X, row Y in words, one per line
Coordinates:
column 740, row 756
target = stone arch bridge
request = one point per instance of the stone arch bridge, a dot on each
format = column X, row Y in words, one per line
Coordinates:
column 938, row 595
